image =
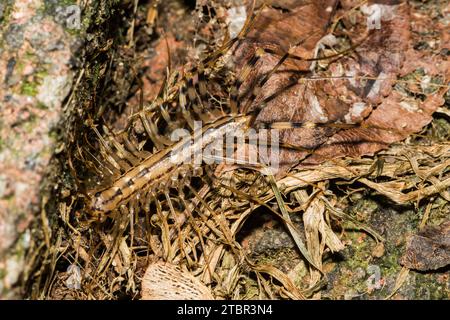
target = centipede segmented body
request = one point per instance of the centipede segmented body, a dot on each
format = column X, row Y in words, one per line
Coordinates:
column 159, row 167
column 135, row 173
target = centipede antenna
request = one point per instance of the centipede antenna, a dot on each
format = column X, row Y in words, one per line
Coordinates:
column 240, row 79
column 255, row 89
column 264, row 103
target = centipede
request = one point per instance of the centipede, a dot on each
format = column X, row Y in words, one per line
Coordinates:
column 135, row 174
column 143, row 172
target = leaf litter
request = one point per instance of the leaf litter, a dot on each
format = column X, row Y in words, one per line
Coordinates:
column 378, row 80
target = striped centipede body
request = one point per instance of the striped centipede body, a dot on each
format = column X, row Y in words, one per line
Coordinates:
column 136, row 173
column 145, row 196
column 158, row 167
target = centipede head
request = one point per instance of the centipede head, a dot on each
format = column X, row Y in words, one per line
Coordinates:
column 93, row 208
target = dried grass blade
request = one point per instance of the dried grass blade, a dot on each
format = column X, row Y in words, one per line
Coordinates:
column 295, row 235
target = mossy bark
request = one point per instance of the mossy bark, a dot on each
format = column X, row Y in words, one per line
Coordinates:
column 50, row 54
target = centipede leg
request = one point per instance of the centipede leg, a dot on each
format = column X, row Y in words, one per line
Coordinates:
column 121, row 152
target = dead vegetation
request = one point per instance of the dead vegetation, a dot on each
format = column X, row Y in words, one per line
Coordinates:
column 327, row 69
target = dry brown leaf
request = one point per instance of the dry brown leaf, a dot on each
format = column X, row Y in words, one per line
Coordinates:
column 357, row 88
column 281, row 31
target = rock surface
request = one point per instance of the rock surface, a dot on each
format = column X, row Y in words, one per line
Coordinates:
column 36, row 75
column 429, row 249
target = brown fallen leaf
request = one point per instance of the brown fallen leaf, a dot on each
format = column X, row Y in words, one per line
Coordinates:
column 399, row 114
column 356, row 88
column 298, row 28
column 429, row 249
